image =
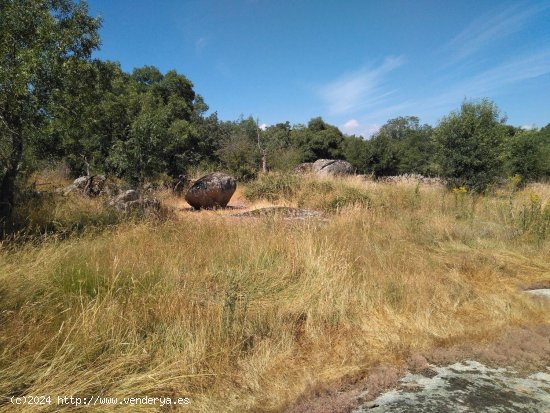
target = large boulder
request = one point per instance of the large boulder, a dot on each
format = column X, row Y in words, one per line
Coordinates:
column 332, row 167
column 211, row 191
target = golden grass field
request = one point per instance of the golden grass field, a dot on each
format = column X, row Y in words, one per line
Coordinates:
column 247, row 314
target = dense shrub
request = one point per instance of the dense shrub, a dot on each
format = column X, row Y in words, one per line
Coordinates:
column 470, row 146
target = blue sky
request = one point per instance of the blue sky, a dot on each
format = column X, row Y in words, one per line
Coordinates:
column 355, row 63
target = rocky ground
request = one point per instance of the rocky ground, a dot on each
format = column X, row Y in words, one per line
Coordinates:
column 467, row 386
column 511, row 374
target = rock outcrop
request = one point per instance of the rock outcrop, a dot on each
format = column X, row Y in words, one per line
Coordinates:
column 211, row 191
column 92, row 185
column 130, row 201
column 332, row 167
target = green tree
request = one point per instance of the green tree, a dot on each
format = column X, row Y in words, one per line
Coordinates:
column 162, row 133
column 356, row 151
column 318, row 140
column 384, row 155
column 39, row 41
column 281, row 154
column 238, row 151
column 471, row 145
column 87, row 116
column 402, row 146
column 529, row 154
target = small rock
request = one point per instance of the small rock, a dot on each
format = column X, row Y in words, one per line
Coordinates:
column 126, row 196
column 541, row 292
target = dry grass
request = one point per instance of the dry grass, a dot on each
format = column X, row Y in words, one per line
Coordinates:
column 245, row 315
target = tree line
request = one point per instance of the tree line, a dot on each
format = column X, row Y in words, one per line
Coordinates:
column 57, row 103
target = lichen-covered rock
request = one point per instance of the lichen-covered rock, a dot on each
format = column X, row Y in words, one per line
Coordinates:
column 130, row 201
column 211, row 191
column 92, row 185
column 332, row 167
column 126, row 196
column 142, row 204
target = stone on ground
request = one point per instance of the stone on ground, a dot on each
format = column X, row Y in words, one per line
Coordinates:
column 332, row 167
column 211, row 191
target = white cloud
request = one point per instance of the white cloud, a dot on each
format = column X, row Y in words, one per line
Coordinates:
column 353, row 127
column 491, row 27
column 358, row 90
column 350, row 126
column 529, row 127
column 492, row 82
column 264, row 126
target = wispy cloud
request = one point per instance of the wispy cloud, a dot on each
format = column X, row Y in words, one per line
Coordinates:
column 493, row 82
column 492, row 27
column 489, row 83
column 201, row 43
column 358, row 90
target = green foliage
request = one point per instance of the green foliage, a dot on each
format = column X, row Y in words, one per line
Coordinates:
column 40, row 41
column 88, row 114
column 471, row 145
column 318, row 140
column 238, row 151
column 281, row 153
column 357, row 151
column 401, row 146
column 384, row 156
column 528, row 154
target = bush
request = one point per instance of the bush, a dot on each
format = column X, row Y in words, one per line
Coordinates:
column 273, row 187
column 332, row 196
column 329, row 195
column 51, row 213
column 470, row 143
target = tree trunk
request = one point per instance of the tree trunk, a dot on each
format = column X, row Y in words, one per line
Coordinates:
column 264, row 162
column 7, row 186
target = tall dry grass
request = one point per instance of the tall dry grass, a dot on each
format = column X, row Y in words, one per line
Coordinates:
column 244, row 315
